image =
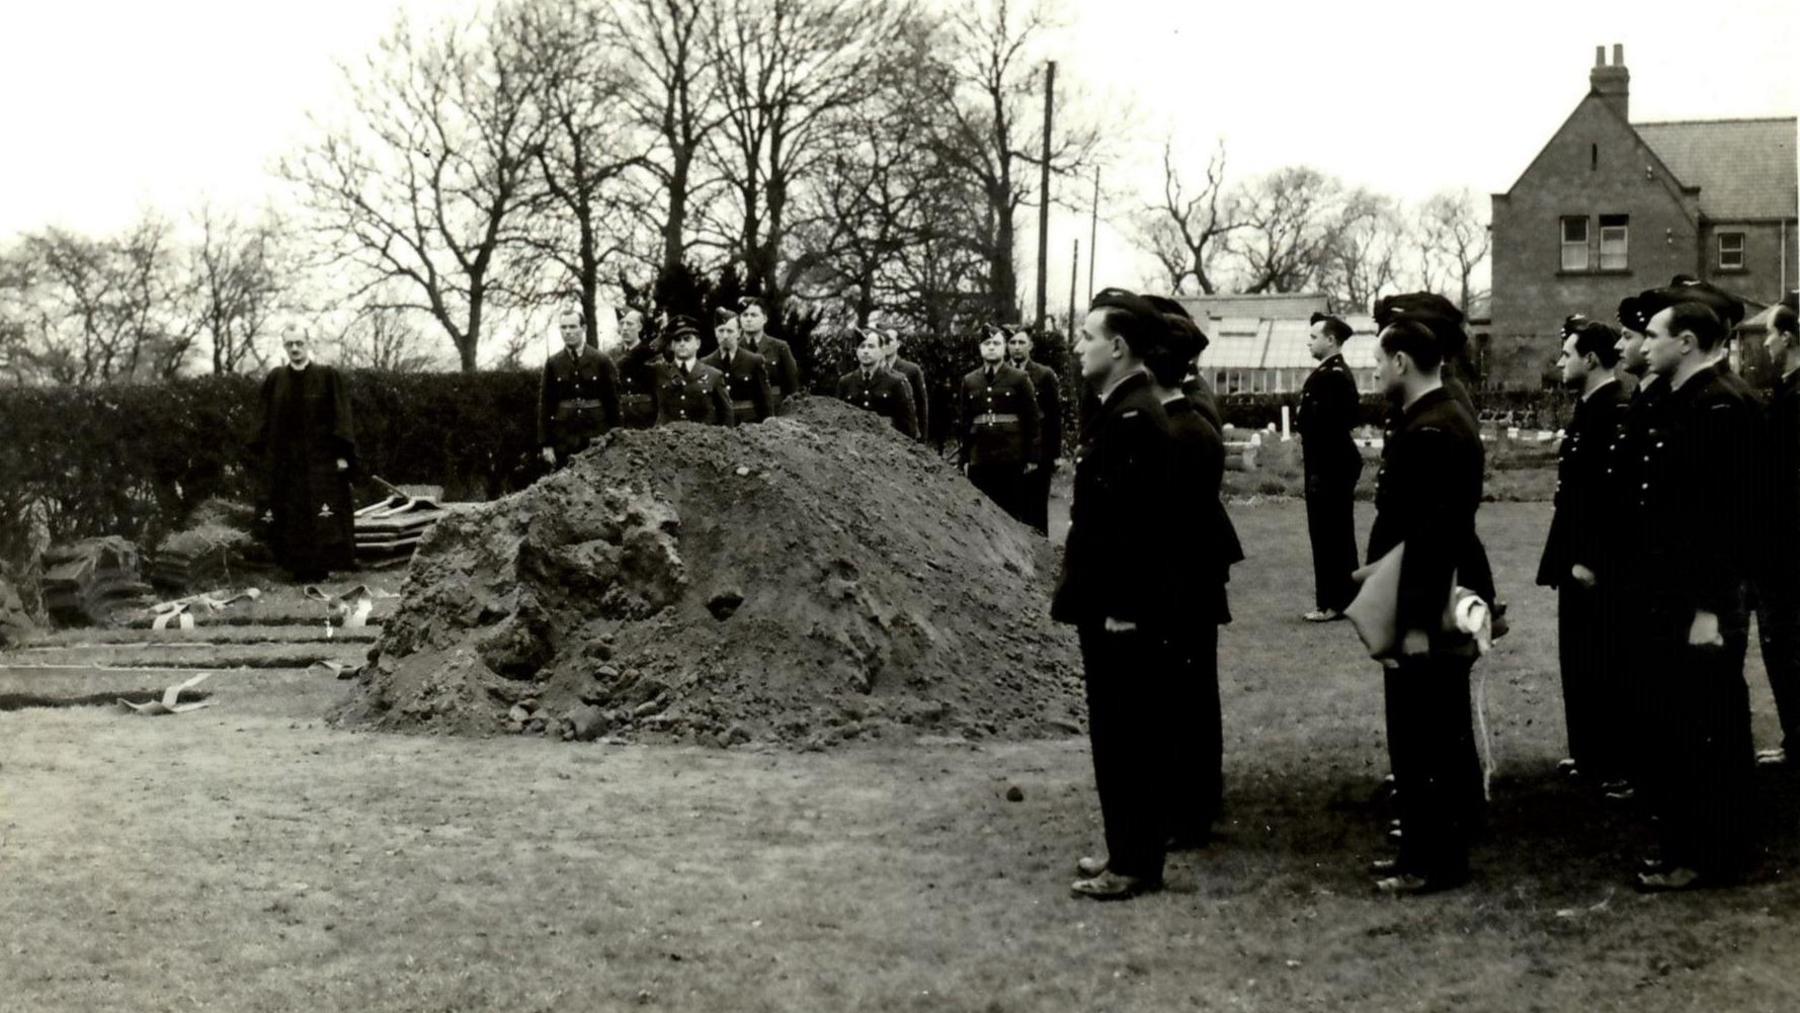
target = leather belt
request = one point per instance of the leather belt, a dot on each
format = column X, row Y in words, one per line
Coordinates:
column 995, row 419
column 635, row 398
column 582, row 404
column 743, row 406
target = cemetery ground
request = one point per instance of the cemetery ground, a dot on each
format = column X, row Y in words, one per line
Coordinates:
column 250, row 857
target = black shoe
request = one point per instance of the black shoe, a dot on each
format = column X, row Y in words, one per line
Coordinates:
column 1112, row 886
column 1088, row 868
column 1678, row 879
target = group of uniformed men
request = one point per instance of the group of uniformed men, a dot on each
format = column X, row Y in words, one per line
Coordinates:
column 1674, row 505
column 1009, row 410
column 1673, row 519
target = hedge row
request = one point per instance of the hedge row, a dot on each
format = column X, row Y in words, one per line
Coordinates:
column 136, row 459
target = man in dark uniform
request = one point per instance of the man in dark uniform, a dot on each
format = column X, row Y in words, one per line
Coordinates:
column 1034, row 495
column 1778, row 581
column 578, row 397
column 1578, row 559
column 778, row 358
column 1329, row 410
column 1427, row 493
column 307, row 446
column 745, row 375
column 1116, row 590
column 1445, row 322
column 637, row 380
column 1202, row 560
column 872, row 388
column 912, row 373
column 687, row 390
column 1625, row 476
column 1695, row 495
column 998, row 423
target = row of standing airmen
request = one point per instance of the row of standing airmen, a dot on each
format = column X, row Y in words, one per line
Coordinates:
column 1009, row 409
column 1672, row 524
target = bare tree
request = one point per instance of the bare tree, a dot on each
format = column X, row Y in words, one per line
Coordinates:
column 1454, row 243
column 236, row 276
column 674, row 96
column 574, row 216
column 420, row 190
column 1183, row 231
column 1292, row 220
column 103, row 309
column 1366, row 257
column 383, row 336
column 788, row 68
column 994, row 135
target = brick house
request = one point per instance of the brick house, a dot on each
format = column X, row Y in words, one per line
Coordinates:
column 1610, row 207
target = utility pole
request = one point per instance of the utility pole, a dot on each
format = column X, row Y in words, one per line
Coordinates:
column 1074, row 266
column 1043, row 265
column 1093, row 233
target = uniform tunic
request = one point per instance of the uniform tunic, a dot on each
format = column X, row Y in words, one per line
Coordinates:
column 700, row 395
column 1697, row 478
column 1427, row 492
column 778, row 359
column 1035, row 487
column 914, row 376
column 578, row 399
column 305, row 430
column 637, row 385
column 1204, row 555
column 1122, row 506
column 1589, row 619
column 747, row 377
column 1778, row 578
column 1329, row 410
column 882, row 392
column 998, row 422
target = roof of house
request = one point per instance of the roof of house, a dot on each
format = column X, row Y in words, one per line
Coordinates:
column 1744, row 168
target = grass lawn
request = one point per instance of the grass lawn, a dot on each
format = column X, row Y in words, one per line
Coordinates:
column 248, row 858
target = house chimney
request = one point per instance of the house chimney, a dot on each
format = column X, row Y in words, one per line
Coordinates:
column 1612, row 84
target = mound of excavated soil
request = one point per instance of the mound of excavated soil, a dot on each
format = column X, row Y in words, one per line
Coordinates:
column 811, row 579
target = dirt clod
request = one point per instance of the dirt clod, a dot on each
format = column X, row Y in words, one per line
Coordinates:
column 852, row 581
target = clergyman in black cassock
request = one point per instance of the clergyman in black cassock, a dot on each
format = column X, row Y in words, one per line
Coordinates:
column 307, row 447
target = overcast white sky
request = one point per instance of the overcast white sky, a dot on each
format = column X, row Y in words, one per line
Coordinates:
column 118, row 106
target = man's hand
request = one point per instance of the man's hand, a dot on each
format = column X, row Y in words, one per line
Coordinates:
column 1583, row 576
column 549, row 455
column 1119, row 626
column 343, row 465
column 1415, row 644
column 1704, row 632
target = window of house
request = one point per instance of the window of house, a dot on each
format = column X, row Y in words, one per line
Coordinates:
column 1574, row 244
column 1731, row 251
column 1613, row 242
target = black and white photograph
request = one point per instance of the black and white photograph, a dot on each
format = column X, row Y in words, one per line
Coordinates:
column 1006, row 506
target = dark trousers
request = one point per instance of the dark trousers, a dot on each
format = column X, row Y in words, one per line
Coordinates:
column 1776, row 595
column 1001, row 483
column 1436, row 769
column 1702, row 755
column 1331, row 525
column 1589, row 627
column 1034, row 498
column 1128, row 705
column 1197, row 734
